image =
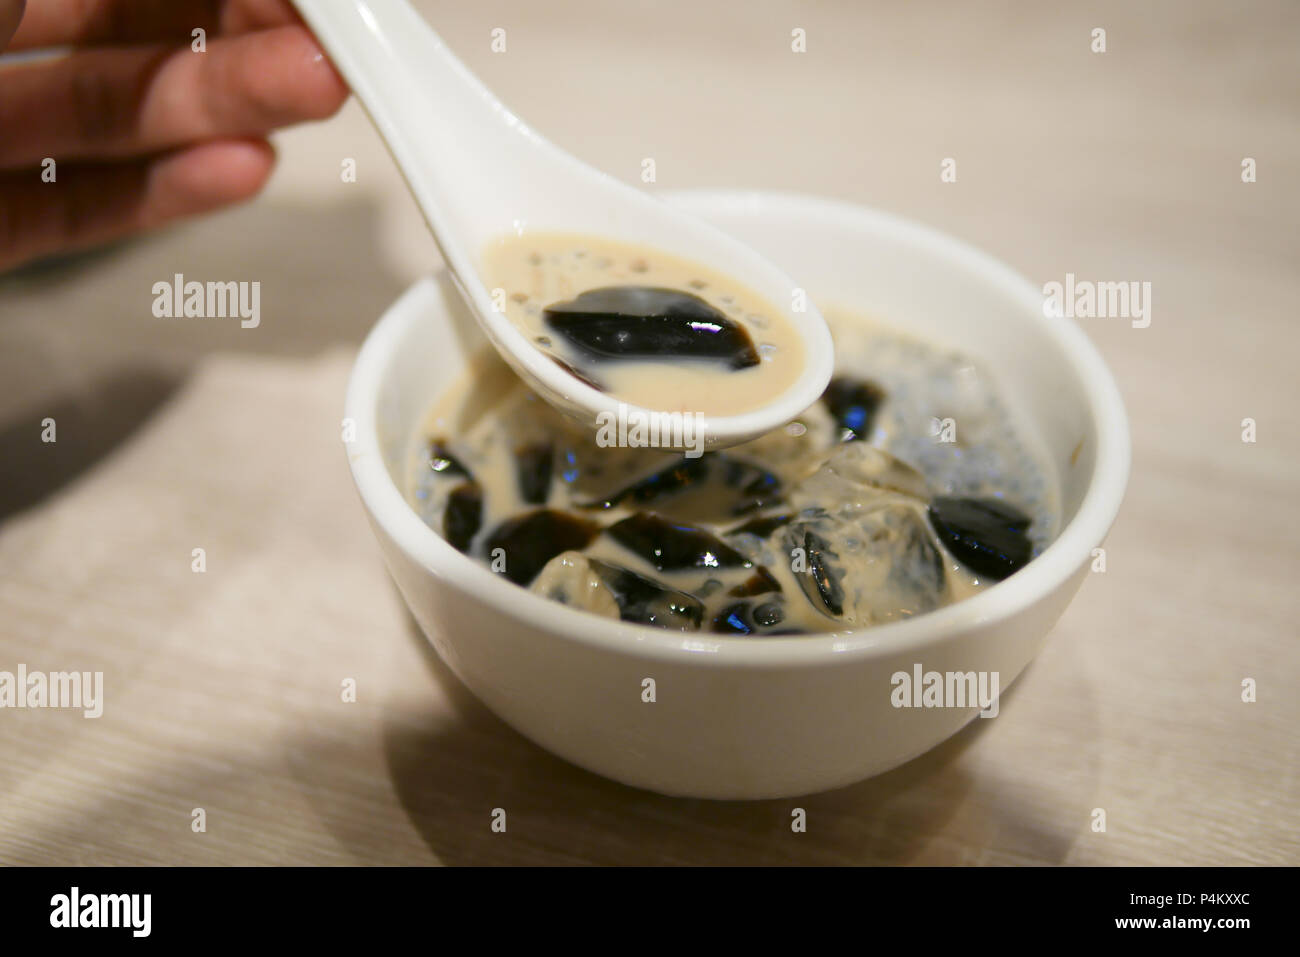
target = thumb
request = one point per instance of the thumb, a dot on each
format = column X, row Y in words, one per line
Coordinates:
column 11, row 11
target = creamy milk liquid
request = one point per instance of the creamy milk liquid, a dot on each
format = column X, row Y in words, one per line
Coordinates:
column 859, row 513
column 536, row 271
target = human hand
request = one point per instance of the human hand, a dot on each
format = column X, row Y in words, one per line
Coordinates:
column 141, row 128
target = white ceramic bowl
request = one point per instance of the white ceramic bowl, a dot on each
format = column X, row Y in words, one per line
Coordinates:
column 744, row 717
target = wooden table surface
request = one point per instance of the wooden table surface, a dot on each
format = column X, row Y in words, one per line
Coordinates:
column 222, row 688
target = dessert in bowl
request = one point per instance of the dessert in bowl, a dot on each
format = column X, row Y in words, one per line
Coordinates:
column 725, row 699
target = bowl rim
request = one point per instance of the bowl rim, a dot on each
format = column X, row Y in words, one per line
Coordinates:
column 1071, row 549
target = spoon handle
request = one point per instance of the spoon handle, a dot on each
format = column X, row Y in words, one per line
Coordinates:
column 447, row 132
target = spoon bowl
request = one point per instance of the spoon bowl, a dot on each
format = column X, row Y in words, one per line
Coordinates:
column 479, row 174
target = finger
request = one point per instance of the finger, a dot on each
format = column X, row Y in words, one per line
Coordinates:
column 114, row 103
column 86, row 22
column 11, row 12
column 93, row 203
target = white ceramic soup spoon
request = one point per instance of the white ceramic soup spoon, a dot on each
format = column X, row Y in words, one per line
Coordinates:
column 479, row 173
